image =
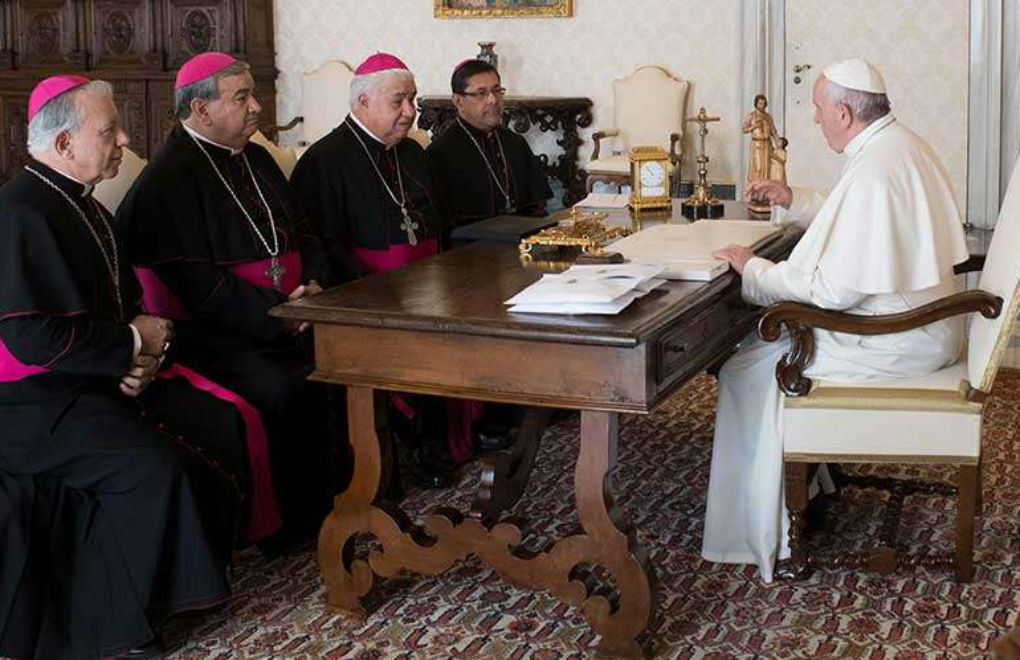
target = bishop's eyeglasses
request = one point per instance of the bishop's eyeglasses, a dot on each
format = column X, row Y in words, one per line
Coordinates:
column 478, row 95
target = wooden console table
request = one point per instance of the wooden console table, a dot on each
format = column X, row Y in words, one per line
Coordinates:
column 522, row 112
column 439, row 327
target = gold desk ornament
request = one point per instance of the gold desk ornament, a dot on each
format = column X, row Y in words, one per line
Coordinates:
column 649, row 178
column 576, row 229
column 702, row 203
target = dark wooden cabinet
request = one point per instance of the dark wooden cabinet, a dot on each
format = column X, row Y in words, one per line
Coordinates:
column 136, row 45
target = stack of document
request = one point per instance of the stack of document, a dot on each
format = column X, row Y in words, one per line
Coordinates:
column 604, row 201
column 685, row 250
column 590, row 289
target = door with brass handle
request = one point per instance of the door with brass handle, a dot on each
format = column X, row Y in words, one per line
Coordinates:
column 797, row 69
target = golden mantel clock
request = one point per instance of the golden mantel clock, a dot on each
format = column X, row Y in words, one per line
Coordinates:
column 649, row 178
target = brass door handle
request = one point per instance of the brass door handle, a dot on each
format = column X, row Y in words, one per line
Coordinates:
column 797, row 69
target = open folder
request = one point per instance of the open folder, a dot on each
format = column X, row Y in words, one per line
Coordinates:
column 685, row 250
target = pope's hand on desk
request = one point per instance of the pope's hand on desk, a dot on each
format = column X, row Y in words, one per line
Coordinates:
column 737, row 255
column 775, row 193
column 297, row 327
column 142, row 371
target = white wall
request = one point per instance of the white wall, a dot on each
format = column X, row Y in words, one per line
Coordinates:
column 576, row 56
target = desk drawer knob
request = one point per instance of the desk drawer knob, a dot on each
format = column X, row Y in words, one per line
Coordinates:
column 674, row 348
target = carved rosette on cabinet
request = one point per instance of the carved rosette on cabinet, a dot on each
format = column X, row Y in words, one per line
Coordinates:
column 137, row 45
column 44, row 33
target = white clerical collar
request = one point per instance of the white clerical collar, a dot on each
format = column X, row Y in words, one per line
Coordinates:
column 854, row 146
column 88, row 186
column 195, row 134
column 364, row 128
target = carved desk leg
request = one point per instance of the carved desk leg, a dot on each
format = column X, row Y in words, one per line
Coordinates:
column 505, row 473
column 348, row 579
column 611, row 542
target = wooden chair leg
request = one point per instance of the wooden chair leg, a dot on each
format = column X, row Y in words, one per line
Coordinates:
column 979, row 505
column 968, row 484
column 798, row 566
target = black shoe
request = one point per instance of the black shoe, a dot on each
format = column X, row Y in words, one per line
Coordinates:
column 493, row 438
column 151, row 651
column 430, row 471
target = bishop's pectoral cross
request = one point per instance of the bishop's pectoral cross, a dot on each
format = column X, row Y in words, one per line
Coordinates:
column 409, row 226
column 275, row 272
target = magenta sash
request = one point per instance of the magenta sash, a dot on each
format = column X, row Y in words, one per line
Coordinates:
column 12, row 369
column 397, row 256
column 265, row 512
column 159, row 300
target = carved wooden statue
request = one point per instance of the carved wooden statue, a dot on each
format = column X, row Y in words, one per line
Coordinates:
column 763, row 141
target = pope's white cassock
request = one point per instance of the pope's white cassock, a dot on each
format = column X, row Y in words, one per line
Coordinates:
column 884, row 240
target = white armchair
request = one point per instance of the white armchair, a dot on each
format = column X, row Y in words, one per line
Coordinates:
column 931, row 420
column 649, row 108
column 110, row 192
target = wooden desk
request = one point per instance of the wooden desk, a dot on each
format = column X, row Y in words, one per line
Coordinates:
column 440, row 327
column 520, row 113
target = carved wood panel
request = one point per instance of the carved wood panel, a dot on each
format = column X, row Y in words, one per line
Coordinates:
column 131, row 103
column 196, row 26
column 121, row 33
column 137, row 45
column 160, row 113
column 14, row 115
column 45, row 33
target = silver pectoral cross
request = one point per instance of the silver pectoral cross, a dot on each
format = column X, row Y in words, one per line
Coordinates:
column 409, row 226
column 275, row 272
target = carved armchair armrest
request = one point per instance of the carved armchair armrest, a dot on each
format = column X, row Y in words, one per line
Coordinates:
column 273, row 132
column 801, row 321
column 975, row 263
column 597, row 137
column 676, row 149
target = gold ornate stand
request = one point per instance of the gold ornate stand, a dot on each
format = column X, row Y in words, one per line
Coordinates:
column 605, row 541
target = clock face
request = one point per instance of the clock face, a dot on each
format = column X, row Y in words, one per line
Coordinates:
column 653, row 177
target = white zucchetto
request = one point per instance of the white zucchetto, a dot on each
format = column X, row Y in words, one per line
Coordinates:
column 856, row 74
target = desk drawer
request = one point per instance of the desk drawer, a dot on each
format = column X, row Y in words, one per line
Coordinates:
column 683, row 347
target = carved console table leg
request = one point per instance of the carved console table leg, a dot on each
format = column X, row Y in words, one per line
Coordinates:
column 505, row 473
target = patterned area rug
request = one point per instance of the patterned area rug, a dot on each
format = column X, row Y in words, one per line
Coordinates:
column 704, row 610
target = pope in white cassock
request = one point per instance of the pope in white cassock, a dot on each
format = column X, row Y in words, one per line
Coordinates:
column 883, row 240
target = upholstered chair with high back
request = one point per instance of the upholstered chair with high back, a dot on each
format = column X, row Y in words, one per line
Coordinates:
column 285, row 157
column 649, row 108
column 931, row 420
column 110, row 192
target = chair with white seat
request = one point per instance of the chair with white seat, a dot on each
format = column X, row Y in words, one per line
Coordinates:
column 935, row 419
column 649, row 108
column 110, row 192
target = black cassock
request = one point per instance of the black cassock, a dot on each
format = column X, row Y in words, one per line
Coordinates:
column 350, row 210
column 181, row 221
column 104, row 527
column 476, row 172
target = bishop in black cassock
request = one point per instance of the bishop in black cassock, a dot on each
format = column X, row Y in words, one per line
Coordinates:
column 481, row 168
column 367, row 190
column 214, row 230
column 100, row 530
